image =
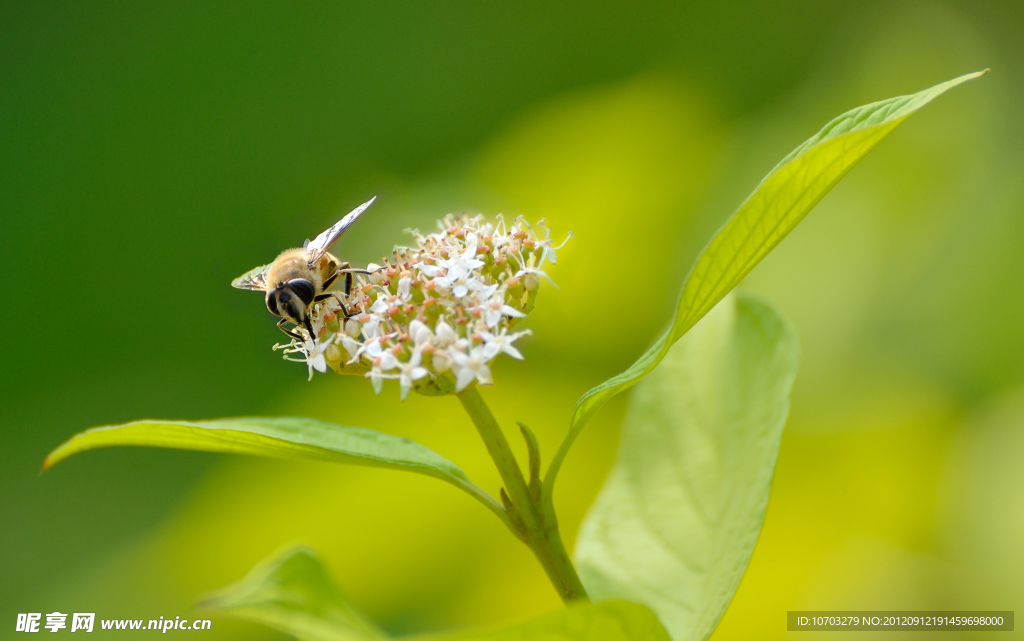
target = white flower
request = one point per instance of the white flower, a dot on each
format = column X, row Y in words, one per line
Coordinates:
column 383, row 362
column 440, row 361
column 378, row 313
column 470, row 367
column 409, row 373
column 313, row 355
column 547, row 251
column 380, row 306
column 351, row 346
column 531, row 277
column 376, row 275
column 371, row 328
column 499, row 237
column 376, row 349
column 446, row 336
column 495, row 308
column 430, row 271
column 459, row 270
column 353, row 327
column 403, row 289
column 495, row 344
column 372, row 348
column 420, row 334
column 486, row 291
column 440, row 290
column 532, row 272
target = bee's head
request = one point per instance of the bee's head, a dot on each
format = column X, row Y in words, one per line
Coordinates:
column 291, row 300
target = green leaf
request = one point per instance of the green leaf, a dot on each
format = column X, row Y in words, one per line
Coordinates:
column 675, row 524
column 607, row 621
column 292, row 592
column 779, row 203
column 288, row 438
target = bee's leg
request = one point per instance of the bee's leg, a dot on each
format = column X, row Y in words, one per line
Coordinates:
column 349, row 281
column 280, row 325
column 348, row 314
column 344, row 310
column 346, row 269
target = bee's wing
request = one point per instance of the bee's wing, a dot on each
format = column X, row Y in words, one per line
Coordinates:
column 255, row 278
column 319, row 245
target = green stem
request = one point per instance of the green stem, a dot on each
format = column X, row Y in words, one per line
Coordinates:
column 486, row 499
column 533, row 524
column 501, row 453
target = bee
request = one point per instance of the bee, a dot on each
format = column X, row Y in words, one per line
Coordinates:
column 300, row 277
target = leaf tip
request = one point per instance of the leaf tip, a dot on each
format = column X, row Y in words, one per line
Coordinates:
column 971, row 76
column 55, row 456
column 48, row 462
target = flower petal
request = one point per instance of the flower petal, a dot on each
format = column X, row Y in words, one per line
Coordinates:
column 463, row 378
column 483, row 374
column 512, row 351
column 508, row 310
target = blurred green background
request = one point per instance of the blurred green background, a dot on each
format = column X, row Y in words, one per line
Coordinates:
column 153, row 151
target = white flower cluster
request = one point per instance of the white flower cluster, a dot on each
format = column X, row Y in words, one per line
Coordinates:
column 435, row 315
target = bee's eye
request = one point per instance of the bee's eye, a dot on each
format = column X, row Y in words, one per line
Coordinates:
column 272, row 303
column 303, row 289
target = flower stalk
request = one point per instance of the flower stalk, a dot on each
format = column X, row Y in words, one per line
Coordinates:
column 532, row 523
